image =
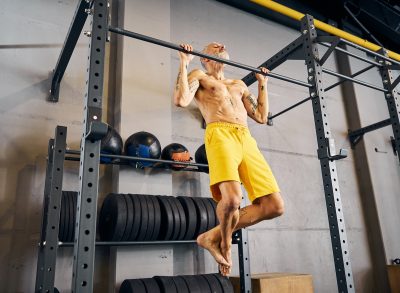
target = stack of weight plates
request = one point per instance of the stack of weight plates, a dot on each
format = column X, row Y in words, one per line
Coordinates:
column 208, row 283
column 140, row 217
column 66, row 231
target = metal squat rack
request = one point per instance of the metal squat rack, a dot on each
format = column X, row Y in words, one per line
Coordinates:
column 304, row 47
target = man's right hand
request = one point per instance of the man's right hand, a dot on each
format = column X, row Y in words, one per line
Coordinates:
column 185, row 57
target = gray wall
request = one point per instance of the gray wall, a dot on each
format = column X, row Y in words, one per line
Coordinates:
column 142, row 79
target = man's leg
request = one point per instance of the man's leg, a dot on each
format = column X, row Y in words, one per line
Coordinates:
column 228, row 216
column 263, row 208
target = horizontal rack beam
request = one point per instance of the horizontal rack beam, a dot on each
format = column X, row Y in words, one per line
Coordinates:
column 354, row 80
column 353, row 75
column 370, row 52
column 130, row 158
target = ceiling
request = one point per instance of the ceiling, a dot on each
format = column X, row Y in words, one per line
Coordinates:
column 380, row 18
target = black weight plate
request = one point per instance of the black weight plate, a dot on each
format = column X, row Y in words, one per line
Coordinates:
column 202, row 222
column 157, row 217
column 112, row 218
column 166, row 284
column 107, row 221
column 225, row 283
column 151, row 285
column 175, row 213
column 61, row 229
column 203, row 284
column 191, row 218
column 74, row 206
column 150, row 224
column 122, row 215
column 137, row 215
column 210, row 213
column 182, row 218
column 192, row 284
column 167, row 218
column 213, row 282
column 144, row 218
column 132, row 286
column 71, row 216
column 180, row 285
column 214, row 204
column 129, row 217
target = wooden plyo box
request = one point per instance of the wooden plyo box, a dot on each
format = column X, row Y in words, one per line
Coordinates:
column 394, row 278
column 277, row 283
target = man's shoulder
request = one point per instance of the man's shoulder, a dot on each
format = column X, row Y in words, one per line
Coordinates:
column 197, row 72
column 239, row 81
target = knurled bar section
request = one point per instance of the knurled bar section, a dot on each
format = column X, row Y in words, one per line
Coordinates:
column 392, row 100
column 51, row 214
column 339, row 241
column 84, row 241
column 276, row 60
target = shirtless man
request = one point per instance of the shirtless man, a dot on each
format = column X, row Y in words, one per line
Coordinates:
column 233, row 155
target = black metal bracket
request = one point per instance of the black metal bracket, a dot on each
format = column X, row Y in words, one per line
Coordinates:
column 335, row 41
column 74, row 32
column 97, row 130
column 328, row 151
column 270, row 120
column 356, row 135
column 393, row 143
column 395, row 83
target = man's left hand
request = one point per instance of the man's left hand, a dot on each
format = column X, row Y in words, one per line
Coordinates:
column 261, row 77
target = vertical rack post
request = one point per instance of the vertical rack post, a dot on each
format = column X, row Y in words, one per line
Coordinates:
column 341, row 254
column 244, row 261
column 47, row 255
column 392, row 99
column 85, row 232
column 240, row 238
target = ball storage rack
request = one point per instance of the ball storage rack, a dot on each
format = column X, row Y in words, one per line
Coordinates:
column 305, row 47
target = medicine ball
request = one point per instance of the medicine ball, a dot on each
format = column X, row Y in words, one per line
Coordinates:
column 145, row 145
column 201, row 158
column 176, row 152
column 110, row 144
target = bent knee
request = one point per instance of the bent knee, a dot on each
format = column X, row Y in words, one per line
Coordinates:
column 279, row 209
column 278, row 206
column 272, row 205
column 230, row 204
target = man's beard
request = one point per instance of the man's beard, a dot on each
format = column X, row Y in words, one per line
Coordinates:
column 221, row 55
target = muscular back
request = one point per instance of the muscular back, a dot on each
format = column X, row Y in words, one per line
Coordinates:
column 220, row 100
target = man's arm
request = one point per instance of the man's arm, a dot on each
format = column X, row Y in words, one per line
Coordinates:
column 257, row 108
column 186, row 85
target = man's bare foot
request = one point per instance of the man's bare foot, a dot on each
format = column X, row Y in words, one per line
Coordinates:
column 205, row 241
column 226, row 253
column 224, row 270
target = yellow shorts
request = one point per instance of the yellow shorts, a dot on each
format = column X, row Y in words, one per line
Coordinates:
column 233, row 154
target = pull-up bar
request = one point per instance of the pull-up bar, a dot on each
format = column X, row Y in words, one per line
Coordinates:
column 179, row 48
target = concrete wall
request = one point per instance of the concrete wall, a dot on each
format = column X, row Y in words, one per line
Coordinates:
column 142, row 78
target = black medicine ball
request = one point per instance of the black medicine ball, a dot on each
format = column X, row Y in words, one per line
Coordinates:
column 110, row 144
column 201, row 157
column 145, row 145
column 176, row 152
